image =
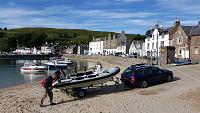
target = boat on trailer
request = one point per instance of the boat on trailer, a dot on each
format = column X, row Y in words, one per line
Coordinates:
column 79, row 81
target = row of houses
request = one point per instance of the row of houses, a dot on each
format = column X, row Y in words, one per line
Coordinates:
column 185, row 39
column 109, row 45
column 45, row 49
column 117, row 43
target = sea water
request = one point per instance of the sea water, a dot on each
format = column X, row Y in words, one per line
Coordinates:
column 10, row 74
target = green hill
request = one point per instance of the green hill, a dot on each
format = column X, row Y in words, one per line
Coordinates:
column 30, row 37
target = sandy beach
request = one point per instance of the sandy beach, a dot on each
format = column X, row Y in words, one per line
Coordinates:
column 180, row 96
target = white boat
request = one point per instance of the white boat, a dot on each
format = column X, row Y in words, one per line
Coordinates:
column 81, row 80
column 32, row 67
column 65, row 61
column 60, row 64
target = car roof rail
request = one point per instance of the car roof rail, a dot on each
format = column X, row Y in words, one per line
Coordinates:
column 140, row 65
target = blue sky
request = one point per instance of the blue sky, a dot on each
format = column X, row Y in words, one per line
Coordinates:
column 133, row 16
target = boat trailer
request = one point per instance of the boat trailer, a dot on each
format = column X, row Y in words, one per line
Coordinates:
column 80, row 92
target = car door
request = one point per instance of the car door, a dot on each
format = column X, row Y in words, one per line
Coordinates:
column 157, row 74
column 149, row 75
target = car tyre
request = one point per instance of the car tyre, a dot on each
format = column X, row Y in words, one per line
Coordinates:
column 144, row 84
column 169, row 78
column 80, row 93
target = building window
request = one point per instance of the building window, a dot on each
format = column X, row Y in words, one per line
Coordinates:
column 162, row 35
column 179, row 40
column 148, row 46
column 179, row 52
column 162, row 43
column 195, row 50
column 171, row 42
column 152, row 45
column 153, row 37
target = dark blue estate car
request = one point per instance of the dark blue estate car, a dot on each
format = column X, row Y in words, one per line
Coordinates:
column 143, row 75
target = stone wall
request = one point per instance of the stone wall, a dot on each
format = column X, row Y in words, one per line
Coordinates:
column 167, row 55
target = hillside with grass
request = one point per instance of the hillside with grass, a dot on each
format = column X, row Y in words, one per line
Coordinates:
column 35, row 37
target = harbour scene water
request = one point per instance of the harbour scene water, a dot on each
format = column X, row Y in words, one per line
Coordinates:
column 10, row 71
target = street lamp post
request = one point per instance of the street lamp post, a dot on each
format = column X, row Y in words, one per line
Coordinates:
column 157, row 27
column 157, row 48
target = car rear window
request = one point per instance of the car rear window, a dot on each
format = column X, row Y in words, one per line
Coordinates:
column 128, row 72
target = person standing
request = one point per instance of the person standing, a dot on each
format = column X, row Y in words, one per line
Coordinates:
column 47, row 84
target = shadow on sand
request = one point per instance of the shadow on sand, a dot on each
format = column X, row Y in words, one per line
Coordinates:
column 107, row 89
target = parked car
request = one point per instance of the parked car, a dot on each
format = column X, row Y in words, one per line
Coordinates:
column 144, row 75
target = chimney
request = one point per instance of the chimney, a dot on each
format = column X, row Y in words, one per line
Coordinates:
column 177, row 22
column 157, row 25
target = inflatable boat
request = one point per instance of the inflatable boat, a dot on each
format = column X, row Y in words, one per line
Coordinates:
column 89, row 78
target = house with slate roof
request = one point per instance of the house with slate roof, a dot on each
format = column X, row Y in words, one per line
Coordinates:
column 185, row 39
column 158, row 37
column 117, row 43
column 195, row 43
column 180, row 40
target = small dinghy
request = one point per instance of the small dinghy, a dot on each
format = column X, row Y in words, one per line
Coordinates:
column 32, row 68
column 81, row 80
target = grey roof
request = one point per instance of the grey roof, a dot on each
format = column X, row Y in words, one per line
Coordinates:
column 161, row 30
column 168, row 30
column 187, row 29
column 195, row 31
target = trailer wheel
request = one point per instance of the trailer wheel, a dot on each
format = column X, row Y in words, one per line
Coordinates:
column 80, row 93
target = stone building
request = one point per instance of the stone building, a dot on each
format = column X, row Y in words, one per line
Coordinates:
column 181, row 41
column 116, row 44
column 195, row 43
column 70, row 49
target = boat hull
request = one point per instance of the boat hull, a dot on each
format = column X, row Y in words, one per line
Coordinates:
column 88, row 82
column 33, row 69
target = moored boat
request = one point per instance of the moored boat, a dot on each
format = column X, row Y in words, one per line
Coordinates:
column 60, row 64
column 32, row 67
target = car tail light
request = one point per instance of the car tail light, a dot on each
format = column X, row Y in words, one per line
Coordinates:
column 132, row 79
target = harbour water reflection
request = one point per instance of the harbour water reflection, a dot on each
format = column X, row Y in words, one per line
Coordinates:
column 10, row 71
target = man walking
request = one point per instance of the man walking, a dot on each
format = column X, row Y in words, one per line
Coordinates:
column 47, row 84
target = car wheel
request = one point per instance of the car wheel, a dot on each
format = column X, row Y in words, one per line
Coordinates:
column 80, row 93
column 169, row 78
column 144, row 84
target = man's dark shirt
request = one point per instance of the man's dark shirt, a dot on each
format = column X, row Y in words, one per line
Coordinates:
column 49, row 82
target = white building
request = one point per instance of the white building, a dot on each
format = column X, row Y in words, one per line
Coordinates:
column 46, row 49
column 121, row 49
column 137, row 48
column 109, row 45
column 23, row 51
column 96, row 47
column 156, row 38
